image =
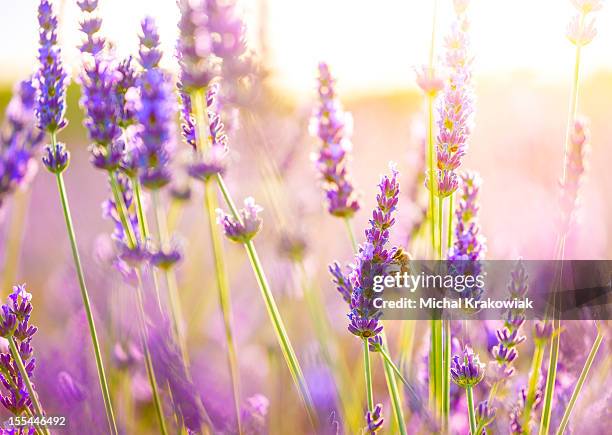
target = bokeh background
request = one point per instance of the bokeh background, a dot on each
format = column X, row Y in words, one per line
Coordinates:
column 522, row 72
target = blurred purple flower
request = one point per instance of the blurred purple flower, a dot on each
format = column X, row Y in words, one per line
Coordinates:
column 334, row 127
column 195, row 46
column 575, row 161
column 19, row 140
column 148, row 51
column 469, row 243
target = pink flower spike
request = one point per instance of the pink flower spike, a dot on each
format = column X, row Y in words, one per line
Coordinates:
column 430, row 82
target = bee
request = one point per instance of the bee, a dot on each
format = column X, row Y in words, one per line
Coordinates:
column 400, row 262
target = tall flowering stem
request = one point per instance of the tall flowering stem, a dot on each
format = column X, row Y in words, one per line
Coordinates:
column 241, row 226
column 50, row 113
column 467, row 371
column 580, row 32
column 204, row 133
column 374, row 258
column 154, row 115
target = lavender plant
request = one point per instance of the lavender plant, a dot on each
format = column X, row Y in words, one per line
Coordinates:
column 580, row 32
column 467, row 371
column 50, row 108
column 17, row 366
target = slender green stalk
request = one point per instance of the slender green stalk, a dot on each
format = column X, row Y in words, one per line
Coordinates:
column 224, row 295
column 275, row 317
column 367, row 370
column 579, row 384
column 394, row 391
column 440, row 226
column 351, row 233
column 14, row 236
column 534, row 374
column 406, row 344
column 449, row 234
column 446, row 381
column 26, row 379
column 161, row 420
column 279, row 327
column 471, row 413
column 86, row 303
column 554, row 351
column 431, row 175
column 550, row 379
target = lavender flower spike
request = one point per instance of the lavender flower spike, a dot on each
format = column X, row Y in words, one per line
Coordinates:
column 156, row 115
column 246, row 227
column 372, row 259
column 469, row 243
column 334, row 127
column 51, row 76
column 15, row 326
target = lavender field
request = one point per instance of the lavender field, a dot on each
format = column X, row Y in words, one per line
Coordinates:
column 198, row 200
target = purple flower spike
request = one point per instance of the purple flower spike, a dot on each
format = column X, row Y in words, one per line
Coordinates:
column 466, row 369
column 334, row 127
column 149, row 51
column 56, row 159
column 343, row 284
column 372, row 259
column 88, row 5
column 51, row 76
column 374, row 420
column 469, row 243
column 15, row 325
column 247, row 227
column 155, row 115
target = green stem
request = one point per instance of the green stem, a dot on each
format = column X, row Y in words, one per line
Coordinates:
column 431, row 174
column 440, row 225
column 142, row 220
column 470, row 404
column 86, row 303
column 224, row 295
column 390, row 372
column 534, row 374
column 147, row 357
column 26, row 379
column 449, row 235
column 550, row 379
column 580, row 383
column 446, row 374
column 367, row 370
column 281, row 333
column 351, row 233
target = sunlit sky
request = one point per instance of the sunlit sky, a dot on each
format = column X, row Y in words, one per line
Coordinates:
column 371, row 45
